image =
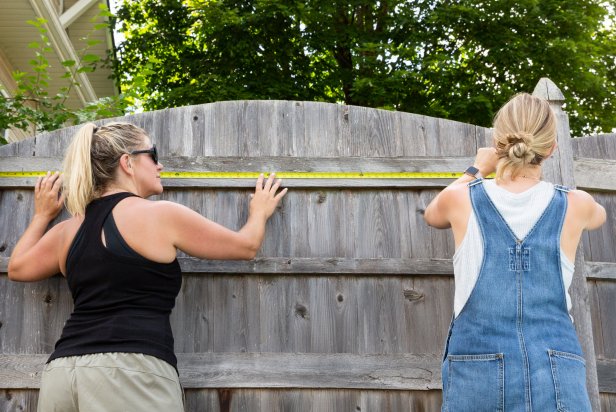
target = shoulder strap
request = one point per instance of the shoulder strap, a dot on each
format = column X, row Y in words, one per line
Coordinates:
column 562, row 188
column 487, row 215
column 95, row 215
column 553, row 216
column 98, row 209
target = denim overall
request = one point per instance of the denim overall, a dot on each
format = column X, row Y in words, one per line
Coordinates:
column 513, row 346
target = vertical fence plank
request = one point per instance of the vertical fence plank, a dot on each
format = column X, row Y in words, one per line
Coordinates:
column 559, row 169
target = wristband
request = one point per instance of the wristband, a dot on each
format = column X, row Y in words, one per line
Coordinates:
column 474, row 172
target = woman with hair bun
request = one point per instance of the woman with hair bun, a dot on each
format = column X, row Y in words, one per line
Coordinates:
column 512, row 345
column 118, row 254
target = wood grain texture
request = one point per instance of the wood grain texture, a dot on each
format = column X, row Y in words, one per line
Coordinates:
column 340, row 266
column 603, row 303
column 602, row 146
column 288, row 371
column 275, row 400
column 171, row 183
column 270, row 164
column 601, row 270
column 312, row 314
column 601, row 243
column 546, row 89
column 590, row 173
column 559, row 168
column 307, row 400
column 18, row 400
column 608, row 402
column 270, row 370
column 594, row 167
column 606, row 369
column 595, row 174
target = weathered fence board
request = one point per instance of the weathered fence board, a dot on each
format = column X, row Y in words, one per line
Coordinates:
column 312, row 400
column 18, row 400
column 300, row 400
column 595, row 174
column 560, row 169
column 608, row 402
column 590, row 174
column 596, row 159
column 271, row 370
column 606, row 369
column 400, row 372
column 344, row 266
column 270, row 164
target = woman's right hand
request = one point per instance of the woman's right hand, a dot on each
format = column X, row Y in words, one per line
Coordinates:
column 486, row 160
column 265, row 199
column 47, row 199
column 36, row 255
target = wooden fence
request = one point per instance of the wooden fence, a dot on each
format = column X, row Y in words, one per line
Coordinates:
column 347, row 306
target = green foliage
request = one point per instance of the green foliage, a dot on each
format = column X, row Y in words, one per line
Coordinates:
column 457, row 59
column 33, row 108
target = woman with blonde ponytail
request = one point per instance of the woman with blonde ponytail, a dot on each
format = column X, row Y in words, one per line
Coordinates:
column 118, row 254
column 511, row 344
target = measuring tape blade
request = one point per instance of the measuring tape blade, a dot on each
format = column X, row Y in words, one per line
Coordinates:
column 311, row 175
column 281, row 175
column 17, row 175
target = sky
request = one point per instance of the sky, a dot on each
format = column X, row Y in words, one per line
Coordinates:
column 113, row 7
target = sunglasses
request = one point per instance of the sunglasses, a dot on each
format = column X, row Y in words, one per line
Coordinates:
column 152, row 152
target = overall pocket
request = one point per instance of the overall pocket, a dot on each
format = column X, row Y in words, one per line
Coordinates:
column 475, row 383
column 569, row 374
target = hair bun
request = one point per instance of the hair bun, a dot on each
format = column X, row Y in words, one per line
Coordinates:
column 518, row 147
column 518, row 137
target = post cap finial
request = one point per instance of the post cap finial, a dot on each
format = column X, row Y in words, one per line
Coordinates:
column 547, row 90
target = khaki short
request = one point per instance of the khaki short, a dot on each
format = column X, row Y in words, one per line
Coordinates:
column 110, row 382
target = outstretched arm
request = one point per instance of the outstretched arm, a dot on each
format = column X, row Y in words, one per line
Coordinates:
column 36, row 254
column 200, row 237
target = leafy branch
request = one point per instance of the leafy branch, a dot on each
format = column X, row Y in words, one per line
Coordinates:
column 33, row 108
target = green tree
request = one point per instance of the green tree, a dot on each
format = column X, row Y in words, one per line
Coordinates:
column 457, row 59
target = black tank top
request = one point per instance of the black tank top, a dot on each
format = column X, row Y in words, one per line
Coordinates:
column 114, row 240
column 122, row 303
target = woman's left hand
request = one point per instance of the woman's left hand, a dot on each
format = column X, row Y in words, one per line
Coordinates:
column 265, row 199
column 47, row 199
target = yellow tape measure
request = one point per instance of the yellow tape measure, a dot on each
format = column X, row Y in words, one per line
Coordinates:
column 281, row 175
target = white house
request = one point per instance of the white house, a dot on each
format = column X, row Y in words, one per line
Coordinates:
column 68, row 21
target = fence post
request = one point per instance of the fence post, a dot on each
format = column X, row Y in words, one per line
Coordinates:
column 560, row 170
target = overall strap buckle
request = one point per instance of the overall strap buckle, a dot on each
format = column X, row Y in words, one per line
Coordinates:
column 562, row 188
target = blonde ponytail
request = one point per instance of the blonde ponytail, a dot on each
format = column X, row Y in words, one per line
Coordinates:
column 92, row 159
column 78, row 185
column 524, row 134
